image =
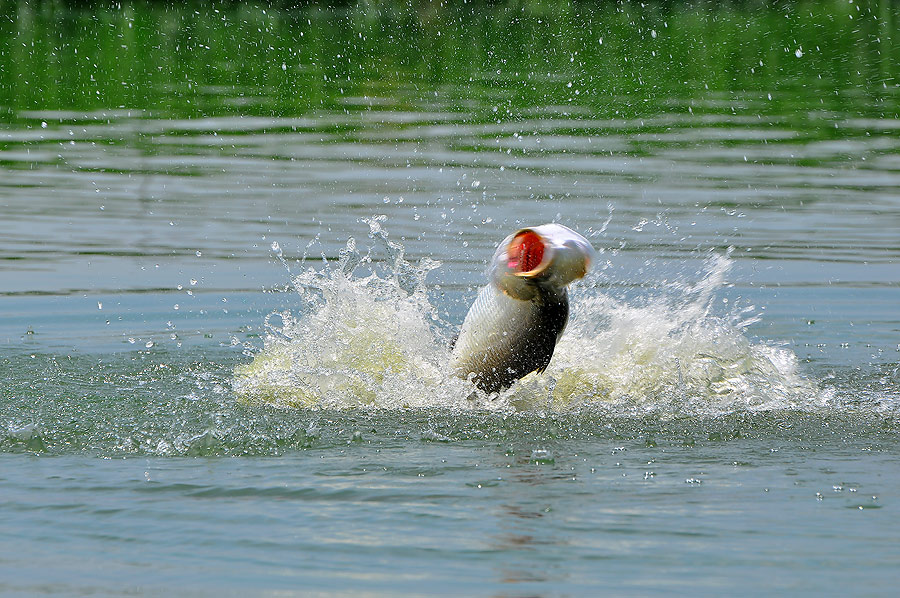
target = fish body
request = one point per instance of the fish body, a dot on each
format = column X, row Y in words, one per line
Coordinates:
column 512, row 328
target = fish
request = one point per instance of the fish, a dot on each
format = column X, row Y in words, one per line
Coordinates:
column 516, row 320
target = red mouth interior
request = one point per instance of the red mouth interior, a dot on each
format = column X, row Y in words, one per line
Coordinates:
column 526, row 251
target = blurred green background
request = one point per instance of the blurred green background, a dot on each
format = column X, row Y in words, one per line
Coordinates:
column 618, row 59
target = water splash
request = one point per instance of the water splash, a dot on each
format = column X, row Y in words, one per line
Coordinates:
column 376, row 340
column 363, row 340
column 670, row 356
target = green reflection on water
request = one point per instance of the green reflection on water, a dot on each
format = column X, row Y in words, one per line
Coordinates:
column 614, row 60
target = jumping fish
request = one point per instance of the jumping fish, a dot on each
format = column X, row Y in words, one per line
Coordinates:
column 512, row 328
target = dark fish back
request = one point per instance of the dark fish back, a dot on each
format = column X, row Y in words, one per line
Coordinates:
column 540, row 333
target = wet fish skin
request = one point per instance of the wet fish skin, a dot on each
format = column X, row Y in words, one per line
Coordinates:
column 516, row 320
column 503, row 338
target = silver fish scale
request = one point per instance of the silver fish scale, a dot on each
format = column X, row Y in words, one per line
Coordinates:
column 503, row 339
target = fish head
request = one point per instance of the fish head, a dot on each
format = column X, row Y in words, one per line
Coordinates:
column 550, row 255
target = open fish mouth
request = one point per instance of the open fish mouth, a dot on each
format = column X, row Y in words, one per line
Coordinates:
column 528, row 254
column 551, row 254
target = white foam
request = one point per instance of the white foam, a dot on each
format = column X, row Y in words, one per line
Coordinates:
column 373, row 340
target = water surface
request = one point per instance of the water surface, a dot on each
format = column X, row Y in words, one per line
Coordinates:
column 178, row 417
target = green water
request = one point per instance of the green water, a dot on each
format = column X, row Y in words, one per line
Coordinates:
column 720, row 419
column 502, row 63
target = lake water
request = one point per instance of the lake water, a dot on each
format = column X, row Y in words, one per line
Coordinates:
column 236, row 241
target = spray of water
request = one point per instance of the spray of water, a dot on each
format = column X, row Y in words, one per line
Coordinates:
column 669, row 355
column 375, row 339
column 363, row 340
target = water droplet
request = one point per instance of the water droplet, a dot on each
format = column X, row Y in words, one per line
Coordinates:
column 542, row 456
